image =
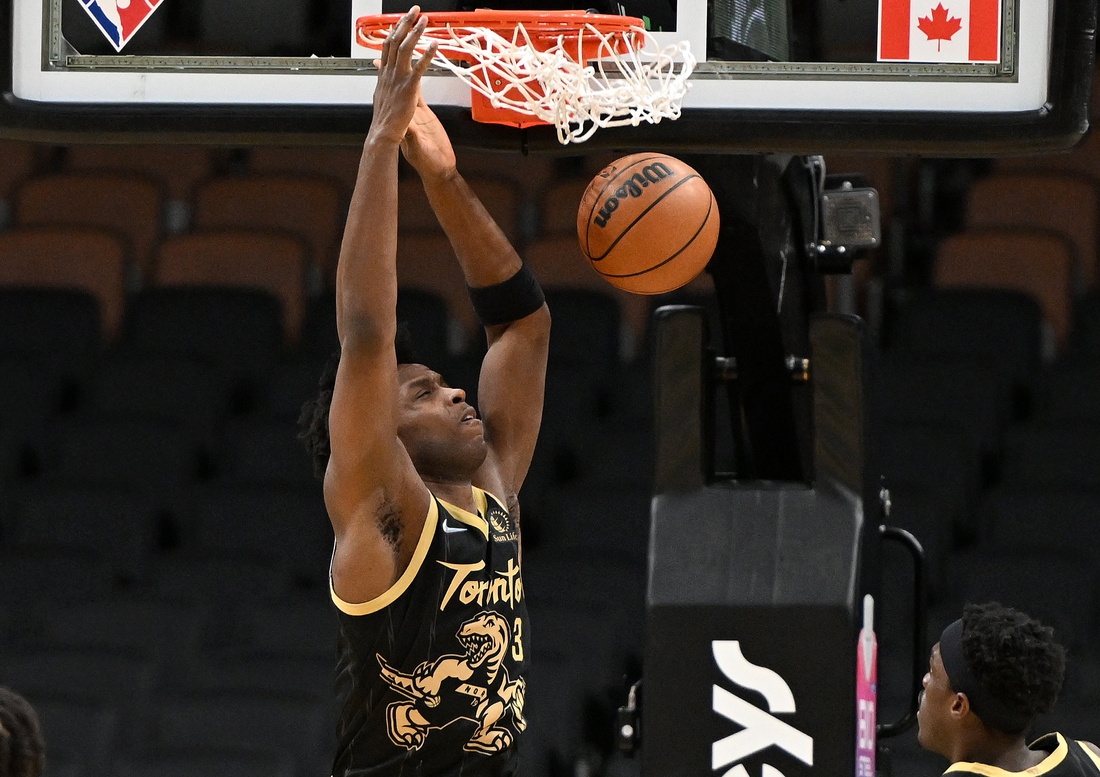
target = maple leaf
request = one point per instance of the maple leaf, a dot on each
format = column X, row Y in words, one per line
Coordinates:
column 939, row 27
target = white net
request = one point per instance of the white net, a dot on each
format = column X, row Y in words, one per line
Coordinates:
column 646, row 83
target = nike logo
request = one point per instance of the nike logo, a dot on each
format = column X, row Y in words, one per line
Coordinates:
column 452, row 529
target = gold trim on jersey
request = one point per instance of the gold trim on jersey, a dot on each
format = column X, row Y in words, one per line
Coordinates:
column 468, row 518
column 1090, row 753
column 1042, row 767
column 427, row 534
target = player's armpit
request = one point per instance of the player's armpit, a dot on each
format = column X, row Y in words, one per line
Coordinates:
column 369, row 470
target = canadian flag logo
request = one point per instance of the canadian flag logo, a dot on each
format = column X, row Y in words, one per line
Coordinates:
column 939, row 31
column 118, row 20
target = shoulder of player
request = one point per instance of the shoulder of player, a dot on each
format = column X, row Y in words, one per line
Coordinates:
column 1090, row 746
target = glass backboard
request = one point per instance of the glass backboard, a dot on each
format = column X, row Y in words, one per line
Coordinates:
column 927, row 76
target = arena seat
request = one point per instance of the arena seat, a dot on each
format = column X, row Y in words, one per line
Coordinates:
column 946, row 391
column 1084, row 159
column 1082, row 685
column 18, row 161
column 1085, row 337
column 130, row 206
column 113, row 525
column 429, row 324
column 558, row 263
column 1057, row 589
column 550, row 708
column 208, row 579
column 287, row 387
column 576, row 396
column 1068, row 392
column 997, row 327
column 120, row 680
column 157, row 387
column 504, row 201
column 33, row 582
column 501, row 198
column 80, row 259
column 258, row 452
column 80, row 735
column 273, row 263
column 275, row 726
column 298, row 629
column 29, row 394
column 613, row 522
column 319, row 338
column 1066, row 204
column 58, row 328
column 529, row 173
column 425, row 313
column 340, row 163
column 557, row 207
column 309, row 207
column 178, row 169
column 414, row 212
column 1057, row 455
column 285, row 527
column 1038, row 263
column 587, row 327
column 426, row 262
column 156, row 457
column 590, row 579
column 237, row 330
column 614, row 456
column 170, row 633
column 305, row 676
column 11, row 446
column 1017, row 518
column 204, row 765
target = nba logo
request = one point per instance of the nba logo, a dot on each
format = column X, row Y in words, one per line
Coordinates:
column 118, row 20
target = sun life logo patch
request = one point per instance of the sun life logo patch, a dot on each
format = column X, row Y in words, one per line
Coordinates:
column 118, row 20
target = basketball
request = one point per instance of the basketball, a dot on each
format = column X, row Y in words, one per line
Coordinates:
column 648, row 223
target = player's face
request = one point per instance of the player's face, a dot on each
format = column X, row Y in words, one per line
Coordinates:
column 933, row 717
column 439, row 429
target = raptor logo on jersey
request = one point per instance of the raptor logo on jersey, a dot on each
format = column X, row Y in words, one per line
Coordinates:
column 474, row 686
column 118, row 20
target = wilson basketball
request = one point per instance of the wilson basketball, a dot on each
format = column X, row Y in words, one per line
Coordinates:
column 648, row 223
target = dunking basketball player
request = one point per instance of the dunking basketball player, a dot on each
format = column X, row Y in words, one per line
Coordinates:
column 992, row 672
column 421, row 492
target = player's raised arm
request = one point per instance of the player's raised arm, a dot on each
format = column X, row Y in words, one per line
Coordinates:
column 375, row 499
column 507, row 299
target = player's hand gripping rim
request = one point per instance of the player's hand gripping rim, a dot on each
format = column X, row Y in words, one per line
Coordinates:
column 398, row 86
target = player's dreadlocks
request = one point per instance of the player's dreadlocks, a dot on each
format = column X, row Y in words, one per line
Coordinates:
column 313, row 421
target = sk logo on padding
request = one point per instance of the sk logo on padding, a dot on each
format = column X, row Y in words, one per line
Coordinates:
column 759, row 729
column 118, row 20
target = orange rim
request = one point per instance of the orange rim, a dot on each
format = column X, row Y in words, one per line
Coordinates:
column 537, row 23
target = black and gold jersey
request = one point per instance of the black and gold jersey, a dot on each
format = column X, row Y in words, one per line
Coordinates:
column 430, row 675
column 1068, row 758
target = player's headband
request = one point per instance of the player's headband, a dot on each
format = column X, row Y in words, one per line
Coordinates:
column 992, row 711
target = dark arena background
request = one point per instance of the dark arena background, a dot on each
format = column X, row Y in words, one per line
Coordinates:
column 908, row 413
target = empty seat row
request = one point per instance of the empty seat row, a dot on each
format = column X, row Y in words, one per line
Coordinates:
column 134, row 208
column 228, row 734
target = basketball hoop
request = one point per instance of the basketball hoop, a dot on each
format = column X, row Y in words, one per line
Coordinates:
column 532, row 67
